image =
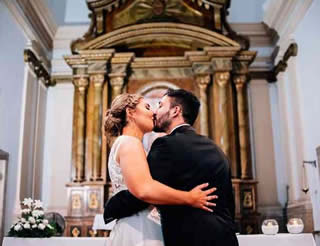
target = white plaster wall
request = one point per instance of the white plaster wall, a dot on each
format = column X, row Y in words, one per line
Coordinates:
column 76, row 12
column 39, row 141
column 58, row 9
column 28, row 136
column 58, row 140
column 12, row 43
column 278, row 146
column 307, row 36
column 246, row 11
column 261, row 124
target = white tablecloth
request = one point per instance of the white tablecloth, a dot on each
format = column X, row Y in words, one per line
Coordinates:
column 244, row 240
column 282, row 239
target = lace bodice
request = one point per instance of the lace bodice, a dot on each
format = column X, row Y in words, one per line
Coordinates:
column 115, row 172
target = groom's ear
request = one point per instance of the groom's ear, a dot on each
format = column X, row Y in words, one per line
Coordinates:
column 176, row 111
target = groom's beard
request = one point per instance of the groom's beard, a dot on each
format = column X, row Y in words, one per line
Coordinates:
column 162, row 124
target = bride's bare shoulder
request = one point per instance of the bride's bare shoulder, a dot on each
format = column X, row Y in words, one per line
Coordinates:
column 129, row 143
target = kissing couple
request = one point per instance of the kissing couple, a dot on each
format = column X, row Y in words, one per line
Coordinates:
column 166, row 198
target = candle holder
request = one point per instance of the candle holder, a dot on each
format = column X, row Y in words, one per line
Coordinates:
column 295, row 225
column 270, row 227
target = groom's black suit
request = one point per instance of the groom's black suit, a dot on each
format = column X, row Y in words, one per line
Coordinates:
column 183, row 160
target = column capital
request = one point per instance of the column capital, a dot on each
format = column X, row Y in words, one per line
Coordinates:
column 203, row 80
column 117, row 80
column 81, row 82
column 97, row 79
column 222, row 78
column 240, row 80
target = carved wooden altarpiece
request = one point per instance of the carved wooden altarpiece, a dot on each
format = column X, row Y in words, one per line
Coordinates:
column 145, row 45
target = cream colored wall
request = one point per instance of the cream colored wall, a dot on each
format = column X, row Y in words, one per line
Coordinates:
column 57, row 147
column 12, row 43
column 296, row 89
column 263, row 147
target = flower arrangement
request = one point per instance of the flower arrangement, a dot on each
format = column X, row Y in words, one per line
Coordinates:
column 32, row 222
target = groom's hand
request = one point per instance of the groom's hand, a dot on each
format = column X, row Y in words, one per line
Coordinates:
column 200, row 198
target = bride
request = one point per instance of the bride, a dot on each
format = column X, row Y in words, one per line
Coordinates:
column 128, row 119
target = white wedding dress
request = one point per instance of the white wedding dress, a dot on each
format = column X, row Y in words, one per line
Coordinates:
column 138, row 229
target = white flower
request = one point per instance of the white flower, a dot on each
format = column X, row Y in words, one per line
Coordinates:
column 26, row 210
column 41, row 226
column 18, row 227
column 37, row 213
column 26, row 226
column 23, row 220
column 27, row 202
column 34, row 226
column 37, row 204
column 46, row 222
column 32, row 220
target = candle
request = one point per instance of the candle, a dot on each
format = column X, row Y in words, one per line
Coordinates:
column 270, row 227
column 295, row 225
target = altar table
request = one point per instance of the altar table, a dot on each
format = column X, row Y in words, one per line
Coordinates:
column 304, row 239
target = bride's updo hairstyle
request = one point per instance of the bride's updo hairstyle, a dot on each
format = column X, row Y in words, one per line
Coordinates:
column 116, row 119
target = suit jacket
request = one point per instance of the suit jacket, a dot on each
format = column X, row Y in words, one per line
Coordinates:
column 183, row 160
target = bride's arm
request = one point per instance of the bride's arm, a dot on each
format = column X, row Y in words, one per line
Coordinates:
column 135, row 169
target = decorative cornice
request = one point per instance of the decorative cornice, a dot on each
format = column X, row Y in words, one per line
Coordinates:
column 160, row 62
column 259, row 34
column 38, row 68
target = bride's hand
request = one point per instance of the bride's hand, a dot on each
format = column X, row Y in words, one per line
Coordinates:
column 200, row 198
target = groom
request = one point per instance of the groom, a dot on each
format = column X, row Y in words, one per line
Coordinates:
column 183, row 159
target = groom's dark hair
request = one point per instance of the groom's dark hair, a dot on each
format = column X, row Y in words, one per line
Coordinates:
column 188, row 102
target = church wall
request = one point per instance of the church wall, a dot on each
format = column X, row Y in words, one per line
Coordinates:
column 246, row 11
column 78, row 16
column 57, row 156
column 307, row 36
column 12, row 43
column 289, row 100
column 270, row 187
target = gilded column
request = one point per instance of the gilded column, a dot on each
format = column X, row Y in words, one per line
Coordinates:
column 244, row 139
column 94, row 122
column 222, row 138
column 203, row 81
column 78, row 139
column 117, row 83
column 104, row 140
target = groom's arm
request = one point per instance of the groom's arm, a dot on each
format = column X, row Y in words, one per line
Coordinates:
column 121, row 205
